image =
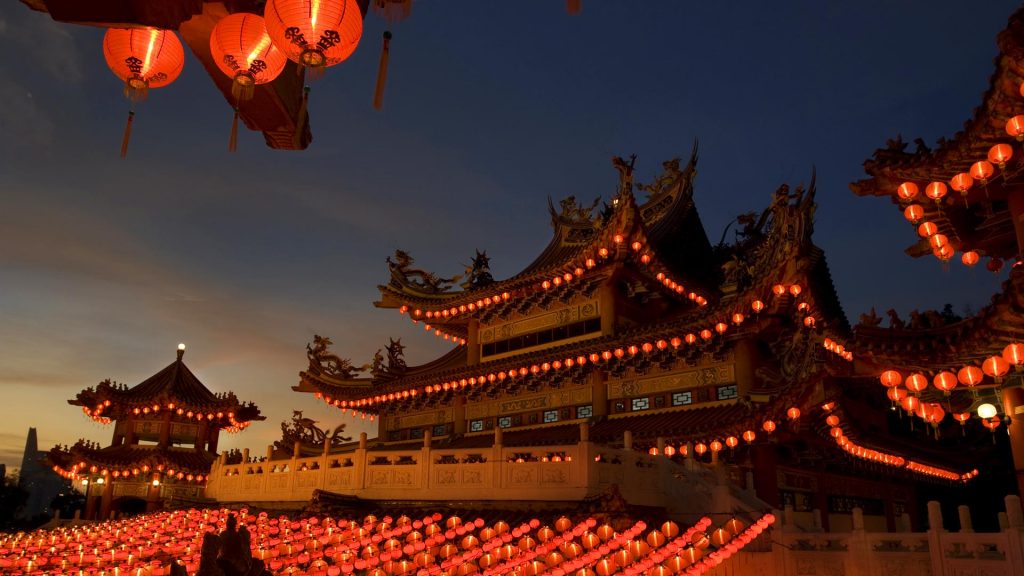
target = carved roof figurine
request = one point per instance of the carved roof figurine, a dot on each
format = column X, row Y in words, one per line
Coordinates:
column 321, row 361
column 396, row 356
column 403, row 275
column 478, row 272
column 310, row 437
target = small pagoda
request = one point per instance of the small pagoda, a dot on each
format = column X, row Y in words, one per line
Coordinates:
column 164, row 441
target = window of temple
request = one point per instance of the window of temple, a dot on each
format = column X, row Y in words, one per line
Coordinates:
column 440, row 430
column 641, row 403
column 476, row 426
column 584, row 411
column 505, row 422
column 727, row 392
column 543, row 337
column 682, row 398
column 416, row 433
column 551, row 416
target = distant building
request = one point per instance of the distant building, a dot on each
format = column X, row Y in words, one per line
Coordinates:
column 41, row 483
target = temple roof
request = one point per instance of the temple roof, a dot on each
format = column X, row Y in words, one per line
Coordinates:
column 979, row 220
column 173, row 388
column 129, row 457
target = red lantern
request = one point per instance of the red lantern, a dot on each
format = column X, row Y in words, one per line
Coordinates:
column 242, row 49
column 907, row 191
column 891, row 378
column 913, row 213
column 757, row 306
column 910, row 403
column 937, row 241
column 945, row 381
column 315, row 33
column 1015, row 127
column 970, row 376
column 832, row 420
column 793, row 413
column 994, row 265
column 916, row 382
column 749, row 436
column 962, row 182
column 768, row 426
column 1014, row 354
column 1000, row 154
column 143, row 58
column 982, row 170
column 896, row 394
column 926, row 229
column 936, row 191
column 995, row 366
column 970, row 258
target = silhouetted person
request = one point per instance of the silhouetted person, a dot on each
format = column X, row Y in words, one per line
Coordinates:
column 208, row 556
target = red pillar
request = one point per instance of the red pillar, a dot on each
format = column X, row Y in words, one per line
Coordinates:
column 1013, row 403
column 766, row 481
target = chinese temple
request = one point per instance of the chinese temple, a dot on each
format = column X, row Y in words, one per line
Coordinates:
column 165, row 433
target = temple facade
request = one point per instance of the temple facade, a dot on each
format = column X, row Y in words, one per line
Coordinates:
column 164, row 440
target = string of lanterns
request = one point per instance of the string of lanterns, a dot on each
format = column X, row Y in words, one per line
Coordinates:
column 82, row 469
column 224, row 419
column 151, row 543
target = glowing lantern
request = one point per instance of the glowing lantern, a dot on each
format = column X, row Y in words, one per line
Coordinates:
column 970, row 376
column 768, row 426
column 700, row 448
column 793, row 413
column 795, row 290
column 809, row 321
column 1015, row 127
column 910, row 403
column 916, row 382
column 732, row 442
column 715, row 446
column 944, row 252
column 242, row 49
column 1000, row 154
column 986, row 411
column 779, row 289
column 1013, row 354
column 757, row 306
column 832, row 420
column 737, row 318
column 143, row 58
column 995, row 366
column 896, row 394
column 982, row 170
column 721, row 327
column 962, row 182
column 970, row 258
column 907, row 191
column 926, row 229
column 891, row 378
column 936, row 191
column 836, row 432
column 945, row 381
column 749, row 436
column 913, row 213
column 937, row 241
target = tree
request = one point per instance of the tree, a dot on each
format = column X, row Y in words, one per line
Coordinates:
column 12, row 498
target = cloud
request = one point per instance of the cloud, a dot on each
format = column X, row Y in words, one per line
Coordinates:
column 47, row 44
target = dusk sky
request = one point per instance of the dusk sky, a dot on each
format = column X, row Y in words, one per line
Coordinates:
column 491, row 107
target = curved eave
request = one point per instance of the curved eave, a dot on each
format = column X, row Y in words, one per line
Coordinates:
column 986, row 333
column 185, row 460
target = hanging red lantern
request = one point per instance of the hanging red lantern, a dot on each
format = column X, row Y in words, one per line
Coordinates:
column 907, row 191
column 916, row 382
column 970, row 376
column 1013, row 354
column 945, row 381
column 927, row 229
column 1015, row 127
column 970, row 258
column 315, row 33
column 913, row 213
column 242, row 49
column 994, row 265
column 749, row 436
column 143, row 58
column 910, row 403
column 793, row 413
column 897, row 394
column 962, row 182
column 757, row 306
column 938, row 241
column 832, row 420
column 936, row 191
column 891, row 378
column 1000, row 154
column 982, row 170
column 995, row 366
column 768, row 426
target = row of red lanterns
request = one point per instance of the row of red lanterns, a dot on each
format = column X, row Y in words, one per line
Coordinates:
column 190, row 413
column 995, row 367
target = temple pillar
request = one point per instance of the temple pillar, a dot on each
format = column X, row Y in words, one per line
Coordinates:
column 1013, row 404
column 165, row 429
column 213, row 436
column 153, row 493
column 766, row 482
column 129, row 431
column 90, row 502
column 745, row 355
column 627, row 440
column 606, row 304
column 473, row 342
column 201, row 436
column 599, row 393
column 107, row 499
column 459, row 414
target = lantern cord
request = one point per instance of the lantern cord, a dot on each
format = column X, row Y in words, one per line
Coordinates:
column 382, row 71
column 573, row 6
column 300, row 124
column 233, row 141
column 127, row 134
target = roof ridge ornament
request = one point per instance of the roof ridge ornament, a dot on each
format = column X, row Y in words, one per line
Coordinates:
column 181, row 351
column 625, row 178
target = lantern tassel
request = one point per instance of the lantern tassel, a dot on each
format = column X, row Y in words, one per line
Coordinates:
column 127, row 134
column 233, row 141
column 382, row 71
column 300, row 124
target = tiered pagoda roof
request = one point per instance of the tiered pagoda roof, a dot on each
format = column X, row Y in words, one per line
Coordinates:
column 979, row 220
